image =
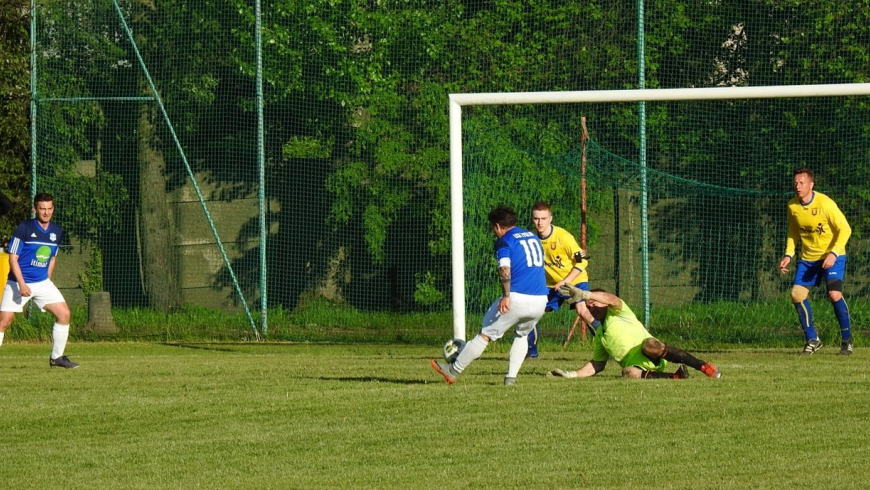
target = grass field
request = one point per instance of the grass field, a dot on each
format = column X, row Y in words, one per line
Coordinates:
column 150, row 415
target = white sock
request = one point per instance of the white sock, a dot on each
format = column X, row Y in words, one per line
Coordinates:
column 472, row 351
column 59, row 334
column 519, row 349
column 1, row 337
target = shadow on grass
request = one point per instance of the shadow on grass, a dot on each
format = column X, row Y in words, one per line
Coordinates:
column 373, row 379
column 211, row 347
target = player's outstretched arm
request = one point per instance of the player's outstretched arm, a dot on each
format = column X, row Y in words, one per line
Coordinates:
column 575, row 293
column 591, row 368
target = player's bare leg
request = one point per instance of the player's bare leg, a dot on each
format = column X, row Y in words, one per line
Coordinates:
column 5, row 320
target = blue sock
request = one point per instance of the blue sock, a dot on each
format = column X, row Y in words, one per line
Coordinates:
column 841, row 310
column 805, row 317
column 533, row 342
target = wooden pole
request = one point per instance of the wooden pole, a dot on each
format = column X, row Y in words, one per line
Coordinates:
column 584, row 138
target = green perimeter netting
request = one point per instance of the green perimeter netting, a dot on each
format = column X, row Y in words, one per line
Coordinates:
column 718, row 177
column 162, row 193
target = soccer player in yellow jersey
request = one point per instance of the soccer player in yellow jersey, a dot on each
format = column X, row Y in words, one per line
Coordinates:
column 815, row 221
column 5, row 207
column 564, row 263
column 624, row 338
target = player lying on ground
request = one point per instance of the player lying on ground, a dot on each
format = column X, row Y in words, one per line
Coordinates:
column 624, row 338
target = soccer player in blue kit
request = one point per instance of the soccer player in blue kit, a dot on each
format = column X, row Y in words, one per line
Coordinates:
column 32, row 257
column 524, row 297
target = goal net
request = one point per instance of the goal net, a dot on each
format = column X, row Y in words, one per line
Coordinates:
column 686, row 213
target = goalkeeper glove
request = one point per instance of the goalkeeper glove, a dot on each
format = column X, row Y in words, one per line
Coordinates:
column 575, row 293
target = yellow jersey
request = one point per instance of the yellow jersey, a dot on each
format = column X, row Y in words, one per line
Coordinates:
column 820, row 227
column 4, row 269
column 559, row 249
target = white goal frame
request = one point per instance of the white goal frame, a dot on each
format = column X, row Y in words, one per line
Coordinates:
column 458, row 101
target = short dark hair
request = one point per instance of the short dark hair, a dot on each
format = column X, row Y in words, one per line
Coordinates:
column 541, row 206
column 42, row 197
column 804, row 170
column 503, row 215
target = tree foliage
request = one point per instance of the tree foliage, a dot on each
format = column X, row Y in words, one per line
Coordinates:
column 14, row 108
column 355, row 113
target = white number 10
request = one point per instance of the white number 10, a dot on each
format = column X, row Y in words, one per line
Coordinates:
column 534, row 253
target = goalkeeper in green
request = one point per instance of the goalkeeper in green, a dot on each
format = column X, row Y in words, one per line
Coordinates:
column 624, row 338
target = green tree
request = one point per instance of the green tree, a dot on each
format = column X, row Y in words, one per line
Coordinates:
column 357, row 100
column 77, row 58
column 757, row 143
column 14, row 110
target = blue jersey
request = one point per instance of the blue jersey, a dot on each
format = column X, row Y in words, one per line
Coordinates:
column 521, row 251
column 35, row 247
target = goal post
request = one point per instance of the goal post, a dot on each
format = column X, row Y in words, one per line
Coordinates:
column 458, row 101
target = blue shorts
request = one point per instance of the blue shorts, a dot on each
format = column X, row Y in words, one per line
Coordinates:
column 810, row 273
column 555, row 298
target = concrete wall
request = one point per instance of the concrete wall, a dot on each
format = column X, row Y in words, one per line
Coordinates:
column 200, row 258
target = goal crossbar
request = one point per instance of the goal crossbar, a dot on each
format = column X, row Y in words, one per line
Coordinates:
column 457, row 101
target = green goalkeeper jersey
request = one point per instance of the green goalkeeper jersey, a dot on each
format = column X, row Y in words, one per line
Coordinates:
column 620, row 332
